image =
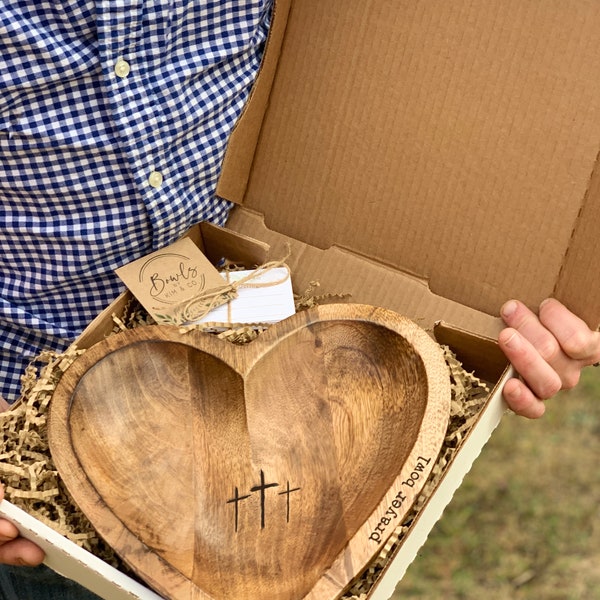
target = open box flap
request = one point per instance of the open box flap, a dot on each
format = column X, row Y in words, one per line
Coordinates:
column 242, row 142
column 456, row 141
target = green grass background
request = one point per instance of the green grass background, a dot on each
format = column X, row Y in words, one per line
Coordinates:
column 525, row 524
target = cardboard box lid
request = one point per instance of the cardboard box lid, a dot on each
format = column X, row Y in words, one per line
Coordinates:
column 456, row 141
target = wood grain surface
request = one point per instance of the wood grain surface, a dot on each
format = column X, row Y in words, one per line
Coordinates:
column 274, row 470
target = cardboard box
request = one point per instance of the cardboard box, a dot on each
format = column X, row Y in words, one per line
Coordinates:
column 434, row 158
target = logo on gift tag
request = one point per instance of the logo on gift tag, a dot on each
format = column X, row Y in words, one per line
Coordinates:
column 170, row 276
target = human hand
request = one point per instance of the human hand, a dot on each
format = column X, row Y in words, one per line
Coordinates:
column 16, row 550
column 548, row 351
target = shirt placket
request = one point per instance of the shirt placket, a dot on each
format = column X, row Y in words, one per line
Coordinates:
column 126, row 74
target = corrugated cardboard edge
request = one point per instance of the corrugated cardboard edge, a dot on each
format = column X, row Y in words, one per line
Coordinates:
column 453, row 477
column 237, row 162
column 580, row 265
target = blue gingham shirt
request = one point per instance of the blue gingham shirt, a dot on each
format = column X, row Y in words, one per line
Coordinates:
column 114, row 118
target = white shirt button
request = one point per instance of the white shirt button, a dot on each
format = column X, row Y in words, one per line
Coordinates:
column 155, row 179
column 122, row 68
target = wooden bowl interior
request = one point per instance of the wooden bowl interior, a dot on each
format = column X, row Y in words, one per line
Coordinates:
column 358, row 388
column 249, row 471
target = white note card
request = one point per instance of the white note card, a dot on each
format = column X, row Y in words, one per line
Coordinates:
column 267, row 299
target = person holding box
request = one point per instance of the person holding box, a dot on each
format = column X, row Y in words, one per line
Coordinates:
column 113, row 124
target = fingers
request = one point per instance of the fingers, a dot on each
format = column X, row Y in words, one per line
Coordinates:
column 541, row 378
column 15, row 550
column 572, row 334
column 19, row 551
column 8, row 531
column 548, row 352
column 534, row 346
column 522, row 400
column 518, row 316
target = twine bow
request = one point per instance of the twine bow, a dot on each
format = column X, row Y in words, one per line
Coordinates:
column 195, row 308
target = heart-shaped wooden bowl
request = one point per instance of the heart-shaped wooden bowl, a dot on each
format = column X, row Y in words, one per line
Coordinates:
column 274, row 470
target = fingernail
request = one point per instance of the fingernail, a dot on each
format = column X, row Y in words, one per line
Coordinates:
column 514, row 341
column 509, row 308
